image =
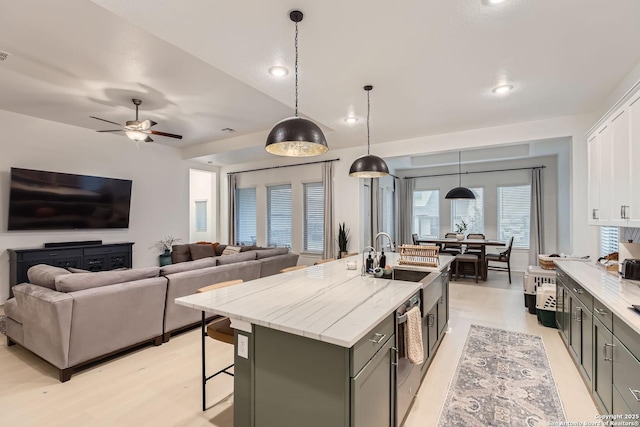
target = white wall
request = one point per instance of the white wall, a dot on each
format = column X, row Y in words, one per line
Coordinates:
column 203, row 187
column 160, row 190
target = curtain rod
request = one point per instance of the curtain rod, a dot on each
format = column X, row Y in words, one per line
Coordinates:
column 468, row 173
column 284, row 166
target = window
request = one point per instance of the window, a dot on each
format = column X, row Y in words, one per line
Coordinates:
column 313, row 217
column 279, row 221
column 426, row 213
column 471, row 211
column 608, row 240
column 514, row 214
column 388, row 212
column 201, row 215
column 246, row 216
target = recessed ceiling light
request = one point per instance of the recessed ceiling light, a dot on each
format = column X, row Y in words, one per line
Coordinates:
column 278, row 71
column 500, row 90
column 351, row 120
column 494, row 1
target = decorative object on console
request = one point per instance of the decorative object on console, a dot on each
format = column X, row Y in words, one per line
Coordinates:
column 460, row 192
column 368, row 166
column 503, row 377
column 137, row 130
column 165, row 245
column 296, row 136
column 343, row 239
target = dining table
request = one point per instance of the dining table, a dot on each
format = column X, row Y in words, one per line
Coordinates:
column 481, row 244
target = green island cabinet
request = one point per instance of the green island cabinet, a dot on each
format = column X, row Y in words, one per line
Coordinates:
column 604, row 347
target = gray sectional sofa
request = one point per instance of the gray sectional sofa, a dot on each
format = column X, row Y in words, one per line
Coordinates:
column 71, row 319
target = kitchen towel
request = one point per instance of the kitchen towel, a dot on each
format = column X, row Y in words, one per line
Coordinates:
column 413, row 336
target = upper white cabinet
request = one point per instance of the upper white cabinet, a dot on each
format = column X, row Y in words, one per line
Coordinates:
column 613, row 152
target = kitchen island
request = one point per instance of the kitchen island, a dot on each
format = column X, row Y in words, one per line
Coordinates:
column 317, row 346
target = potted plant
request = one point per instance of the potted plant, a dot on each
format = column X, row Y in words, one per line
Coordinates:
column 461, row 227
column 165, row 245
column 343, row 240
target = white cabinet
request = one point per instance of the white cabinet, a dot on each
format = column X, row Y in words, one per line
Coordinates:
column 613, row 152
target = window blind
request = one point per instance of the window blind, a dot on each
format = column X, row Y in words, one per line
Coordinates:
column 201, row 215
column 470, row 211
column 608, row 240
column 313, row 232
column 279, row 220
column 514, row 214
column 246, row 216
column 426, row 213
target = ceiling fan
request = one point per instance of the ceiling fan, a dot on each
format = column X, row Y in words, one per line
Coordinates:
column 137, row 130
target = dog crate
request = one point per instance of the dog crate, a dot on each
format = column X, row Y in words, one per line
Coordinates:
column 546, row 304
column 533, row 278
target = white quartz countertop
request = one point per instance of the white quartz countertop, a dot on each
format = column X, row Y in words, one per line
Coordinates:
column 616, row 293
column 326, row 302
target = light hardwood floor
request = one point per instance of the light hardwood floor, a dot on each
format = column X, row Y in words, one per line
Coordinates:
column 160, row 386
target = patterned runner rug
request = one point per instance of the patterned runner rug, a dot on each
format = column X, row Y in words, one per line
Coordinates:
column 3, row 325
column 503, row 379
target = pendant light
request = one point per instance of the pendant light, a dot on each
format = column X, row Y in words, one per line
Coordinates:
column 296, row 136
column 368, row 166
column 460, row 192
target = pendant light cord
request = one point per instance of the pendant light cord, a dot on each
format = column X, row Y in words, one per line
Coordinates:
column 296, row 69
column 368, row 114
column 459, row 169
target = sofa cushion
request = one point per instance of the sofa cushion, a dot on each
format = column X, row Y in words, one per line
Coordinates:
column 80, row 281
column 247, row 248
column 199, row 251
column 45, row 275
column 239, row 257
column 180, row 253
column 220, row 248
column 266, row 253
column 188, row 265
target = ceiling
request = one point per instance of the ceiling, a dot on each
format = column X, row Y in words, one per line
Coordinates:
column 200, row 66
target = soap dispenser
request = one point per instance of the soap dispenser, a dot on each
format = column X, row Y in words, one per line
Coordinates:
column 369, row 264
column 383, row 260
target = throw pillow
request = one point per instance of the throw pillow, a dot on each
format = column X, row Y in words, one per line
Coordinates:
column 45, row 275
column 201, row 251
column 231, row 250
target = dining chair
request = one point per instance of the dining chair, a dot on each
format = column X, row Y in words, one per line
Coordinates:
column 451, row 248
column 502, row 257
column 220, row 330
column 474, row 249
column 414, row 238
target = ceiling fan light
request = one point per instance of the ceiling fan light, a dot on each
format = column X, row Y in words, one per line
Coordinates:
column 368, row 166
column 296, row 137
column 136, row 135
column 460, row 193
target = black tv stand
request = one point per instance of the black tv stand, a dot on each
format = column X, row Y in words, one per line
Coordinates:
column 86, row 255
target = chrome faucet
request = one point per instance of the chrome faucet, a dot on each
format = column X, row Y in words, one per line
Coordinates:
column 375, row 256
column 382, row 233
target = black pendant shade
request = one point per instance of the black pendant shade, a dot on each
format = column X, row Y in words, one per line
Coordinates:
column 295, row 136
column 368, row 166
column 460, row 192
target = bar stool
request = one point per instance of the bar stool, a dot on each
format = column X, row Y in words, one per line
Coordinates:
column 322, row 261
column 220, row 329
column 294, row 268
column 467, row 258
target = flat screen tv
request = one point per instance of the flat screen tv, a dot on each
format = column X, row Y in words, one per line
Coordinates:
column 41, row 200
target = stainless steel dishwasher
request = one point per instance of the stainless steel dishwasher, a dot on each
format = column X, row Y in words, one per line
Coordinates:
column 407, row 374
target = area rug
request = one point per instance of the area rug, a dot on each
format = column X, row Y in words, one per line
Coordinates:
column 503, row 379
column 3, row 325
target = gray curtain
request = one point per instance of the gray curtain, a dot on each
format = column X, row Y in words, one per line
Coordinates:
column 232, row 208
column 375, row 209
column 404, row 202
column 536, row 232
column 329, row 228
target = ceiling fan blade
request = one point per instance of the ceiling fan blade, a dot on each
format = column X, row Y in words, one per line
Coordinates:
column 108, row 121
column 145, row 125
column 116, row 130
column 148, row 139
column 170, row 135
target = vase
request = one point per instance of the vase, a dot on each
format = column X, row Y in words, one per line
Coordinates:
column 342, row 254
column 165, row 258
column 459, row 236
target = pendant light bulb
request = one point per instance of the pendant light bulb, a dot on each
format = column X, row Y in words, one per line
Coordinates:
column 296, row 136
column 368, row 166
